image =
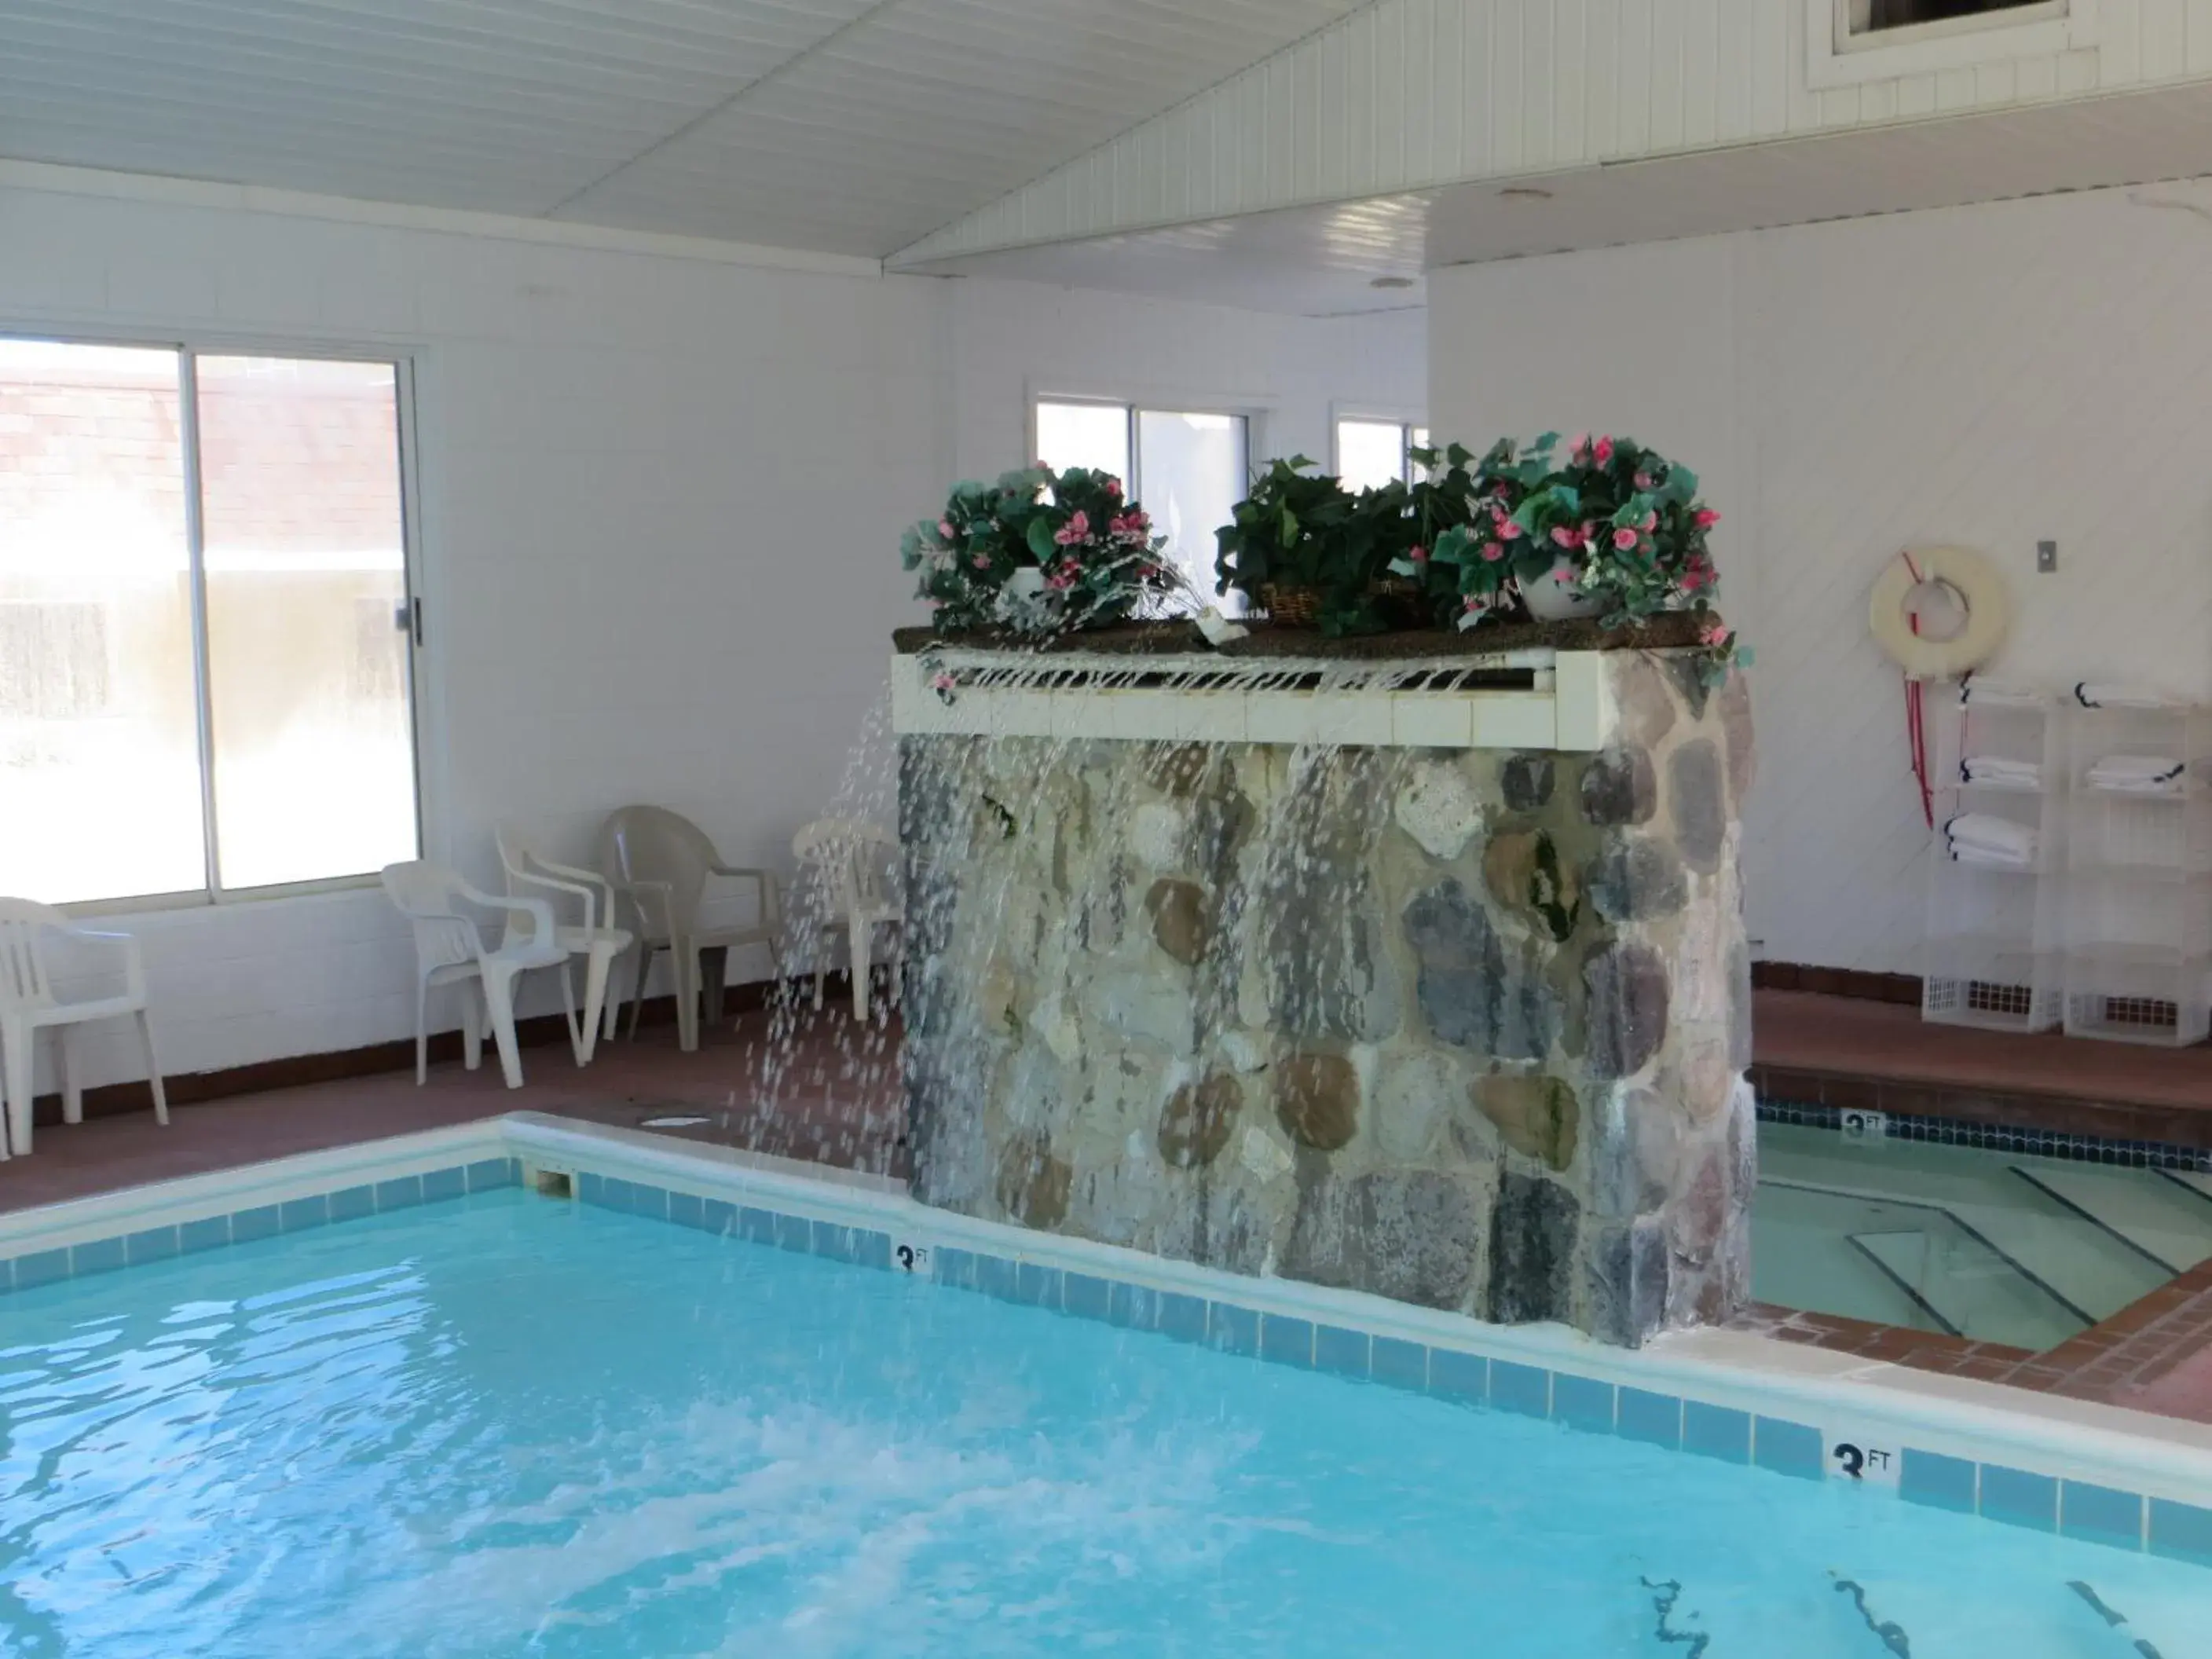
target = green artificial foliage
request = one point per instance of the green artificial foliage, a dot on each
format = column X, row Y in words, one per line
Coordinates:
column 1092, row 556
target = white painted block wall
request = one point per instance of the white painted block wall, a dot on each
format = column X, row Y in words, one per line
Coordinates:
column 661, row 499
column 1988, row 376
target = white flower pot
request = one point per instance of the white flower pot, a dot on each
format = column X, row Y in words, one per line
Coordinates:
column 1553, row 597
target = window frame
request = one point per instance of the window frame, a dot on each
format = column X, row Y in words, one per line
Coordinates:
column 190, row 348
column 1252, row 412
column 1368, row 416
column 1836, row 56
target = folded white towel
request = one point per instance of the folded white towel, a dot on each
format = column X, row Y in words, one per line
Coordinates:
column 1984, row 832
column 2093, row 695
column 1991, row 859
column 2138, row 765
column 1990, row 694
column 2137, row 775
column 2002, row 769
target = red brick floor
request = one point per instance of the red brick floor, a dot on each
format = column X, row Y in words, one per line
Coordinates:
column 830, row 1094
column 1853, row 1053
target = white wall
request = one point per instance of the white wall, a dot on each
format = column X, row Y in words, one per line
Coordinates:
column 1988, row 376
column 659, row 500
column 661, row 497
column 1013, row 341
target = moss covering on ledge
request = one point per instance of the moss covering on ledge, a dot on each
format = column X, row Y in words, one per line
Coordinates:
column 1673, row 631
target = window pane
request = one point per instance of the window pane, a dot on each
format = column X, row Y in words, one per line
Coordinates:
column 314, row 769
column 100, row 791
column 1192, row 475
column 1095, row 435
column 1370, row 453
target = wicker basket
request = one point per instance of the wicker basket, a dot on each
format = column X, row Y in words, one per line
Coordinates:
column 1291, row 607
column 1400, row 601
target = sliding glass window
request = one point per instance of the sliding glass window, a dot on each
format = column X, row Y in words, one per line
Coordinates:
column 1188, row 467
column 206, row 630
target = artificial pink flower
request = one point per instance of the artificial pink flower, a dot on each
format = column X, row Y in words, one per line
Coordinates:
column 1474, row 602
column 1604, row 452
column 1577, row 446
column 1566, row 536
column 1644, row 481
column 1508, row 530
column 1113, row 486
column 1492, row 552
column 1419, row 553
column 1714, row 636
column 1707, row 518
column 1059, row 581
column 1623, row 538
column 944, row 528
column 942, row 683
column 982, row 561
column 1077, row 528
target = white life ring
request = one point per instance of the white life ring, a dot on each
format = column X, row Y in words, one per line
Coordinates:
column 1980, row 591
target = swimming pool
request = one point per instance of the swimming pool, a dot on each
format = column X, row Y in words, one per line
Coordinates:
column 1993, row 1246
column 508, row 1424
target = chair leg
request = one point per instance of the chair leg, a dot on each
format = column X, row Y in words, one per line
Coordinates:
column 473, row 1015
column 863, row 936
column 69, row 1076
column 683, row 958
column 15, row 1084
column 422, row 1031
column 637, row 1002
column 777, row 987
column 569, row 1011
column 612, row 998
column 153, row 1070
column 499, row 1010
column 715, row 975
column 597, row 965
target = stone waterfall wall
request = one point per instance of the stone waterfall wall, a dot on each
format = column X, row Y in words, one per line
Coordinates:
column 1463, row 1028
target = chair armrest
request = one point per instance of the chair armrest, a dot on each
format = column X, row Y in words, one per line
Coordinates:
column 771, row 906
column 134, row 960
column 592, row 900
column 638, row 892
column 539, row 911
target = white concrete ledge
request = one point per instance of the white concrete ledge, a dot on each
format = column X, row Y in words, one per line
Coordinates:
column 1567, row 707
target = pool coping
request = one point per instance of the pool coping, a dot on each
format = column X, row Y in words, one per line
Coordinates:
column 2085, row 1469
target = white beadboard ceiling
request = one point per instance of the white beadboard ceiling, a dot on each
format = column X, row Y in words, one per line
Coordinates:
column 1321, row 260
column 851, row 126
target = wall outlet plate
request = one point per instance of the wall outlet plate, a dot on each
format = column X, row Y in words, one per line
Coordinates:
column 2046, row 556
column 1865, row 1126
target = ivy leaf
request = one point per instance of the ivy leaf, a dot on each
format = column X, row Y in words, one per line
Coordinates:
column 1041, row 544
column 1290, row 529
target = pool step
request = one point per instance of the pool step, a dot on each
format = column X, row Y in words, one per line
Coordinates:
column 2168, row 1222
column 2081, row 1264
column 1969, row 1289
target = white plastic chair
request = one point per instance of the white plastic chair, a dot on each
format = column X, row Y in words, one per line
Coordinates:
column 661, row 861
column 448, row 948
column 845, row 858
column 28, row 1005
column 598, row 940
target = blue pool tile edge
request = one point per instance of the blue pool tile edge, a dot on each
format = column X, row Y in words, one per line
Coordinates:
column 1575, row 1402
column 139, row 1246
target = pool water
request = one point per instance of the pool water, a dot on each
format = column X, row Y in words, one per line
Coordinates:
column 507, row 1424
column 1996, row 1246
